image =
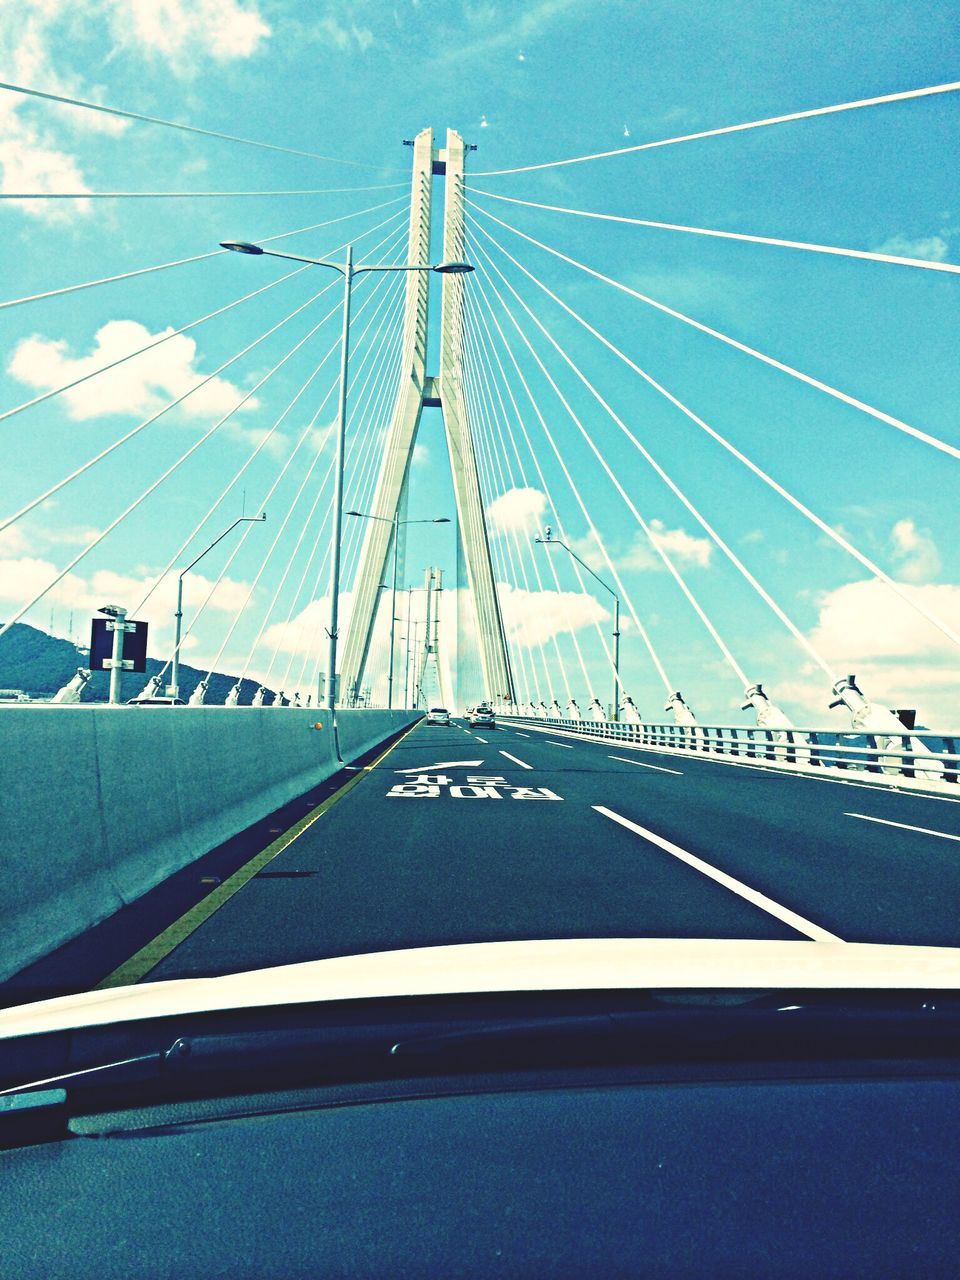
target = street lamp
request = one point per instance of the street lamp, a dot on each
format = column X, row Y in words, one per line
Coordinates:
column 364, row 515
column 173, row 689
column 550, row 541
column 348, row 271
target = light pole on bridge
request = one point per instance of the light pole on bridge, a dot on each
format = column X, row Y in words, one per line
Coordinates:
column 548, row 540
column 397, row 524
column 173, row 689
column 348, row 271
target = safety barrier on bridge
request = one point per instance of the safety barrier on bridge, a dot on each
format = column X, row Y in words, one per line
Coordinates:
column 921, row 756
column 98, row 804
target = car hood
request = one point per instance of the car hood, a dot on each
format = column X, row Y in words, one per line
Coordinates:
column 573, row 964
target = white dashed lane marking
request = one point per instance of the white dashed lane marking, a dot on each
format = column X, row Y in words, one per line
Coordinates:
column 640, row 764
column 904, row 826
column 758, row 899
column 522, row 763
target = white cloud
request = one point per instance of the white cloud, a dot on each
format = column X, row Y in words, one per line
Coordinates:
column 683, row 548
column 533, row 617
column 421, row 455
column 916, row 552
column 899, row 659
column 32, row 157
column 188, row 32
column 517, row 510
column 83, row 595
column 332, row 33
column 141, row 386
column 23, row 577
column 932, row 248
column 866, row 620
column 304, row 632
column 693, row 289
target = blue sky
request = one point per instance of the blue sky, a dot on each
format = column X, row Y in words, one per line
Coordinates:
column 528, row 84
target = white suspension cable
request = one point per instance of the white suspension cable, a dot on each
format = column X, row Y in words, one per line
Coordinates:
column 794, row 630
column 363, row 448
column 262, row 444
column 821, row 524
column 53, row 489
column 651, row 536
column 574, row 564
column 305, row 434
column 239, row 546
column 485, row 366
column 166, row 337
column 358, row 446
column 624, row 594
column 155, row 485
column 490, row 461
column 309, row 517
column 79, row 471
column 184, row 128
column 733, row 128
column 501, row 551
column 179, row 262
column 739, row 346
column 869, row 256
column 184, row 195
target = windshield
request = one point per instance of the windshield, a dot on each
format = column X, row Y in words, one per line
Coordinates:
column 479, row 621
column 585, row 572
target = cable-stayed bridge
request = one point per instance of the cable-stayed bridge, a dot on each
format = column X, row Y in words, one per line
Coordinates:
column 609, row 576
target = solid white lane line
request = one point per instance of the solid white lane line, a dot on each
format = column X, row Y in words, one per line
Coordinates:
column 758, row 899
column 904, row 826
column 640, row 765
column 522, row 763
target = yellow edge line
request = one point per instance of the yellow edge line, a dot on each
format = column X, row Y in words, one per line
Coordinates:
column 149, row 956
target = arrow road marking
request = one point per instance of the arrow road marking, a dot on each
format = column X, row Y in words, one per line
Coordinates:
column 444, row 764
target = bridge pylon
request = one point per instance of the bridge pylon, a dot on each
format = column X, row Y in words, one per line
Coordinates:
column 444, row 390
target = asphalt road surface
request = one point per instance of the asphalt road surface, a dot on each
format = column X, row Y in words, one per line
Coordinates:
column 465, row 836
column 517, row 833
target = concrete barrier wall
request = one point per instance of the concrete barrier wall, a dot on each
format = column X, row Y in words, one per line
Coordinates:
column 360, row 731
column 98, row 804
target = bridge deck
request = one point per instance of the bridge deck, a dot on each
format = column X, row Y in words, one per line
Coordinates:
column 460, row 836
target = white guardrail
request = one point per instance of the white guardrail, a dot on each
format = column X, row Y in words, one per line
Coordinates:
column 928, row 757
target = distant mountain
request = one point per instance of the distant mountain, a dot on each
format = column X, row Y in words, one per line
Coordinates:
column 40, row 664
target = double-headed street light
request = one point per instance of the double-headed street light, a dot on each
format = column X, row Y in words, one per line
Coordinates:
column 548, row 540
column 348, row 271
column 364, row 515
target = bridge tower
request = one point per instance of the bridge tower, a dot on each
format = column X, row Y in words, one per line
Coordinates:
column 444, row 390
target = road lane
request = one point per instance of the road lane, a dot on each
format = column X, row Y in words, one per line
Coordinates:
column 432, row 848
column 453, row 838
column 789, row 836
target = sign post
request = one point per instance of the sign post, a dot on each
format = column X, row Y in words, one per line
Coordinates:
column 103, row 642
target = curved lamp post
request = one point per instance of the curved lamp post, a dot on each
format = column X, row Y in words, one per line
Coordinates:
column 550, row 541
column 173, row 688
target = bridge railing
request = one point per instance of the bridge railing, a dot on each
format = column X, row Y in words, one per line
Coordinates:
column 918, row 755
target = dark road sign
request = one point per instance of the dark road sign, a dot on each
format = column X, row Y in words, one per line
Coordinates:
column 134, row 645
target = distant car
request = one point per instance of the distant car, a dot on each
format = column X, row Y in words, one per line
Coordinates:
column 482, row 718
column 156, row 702
column 438, row 715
